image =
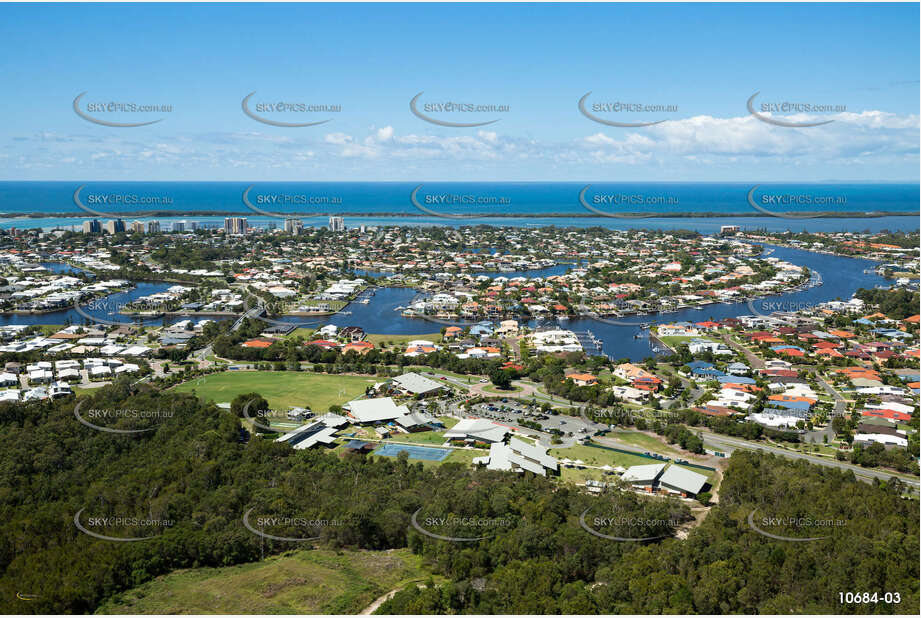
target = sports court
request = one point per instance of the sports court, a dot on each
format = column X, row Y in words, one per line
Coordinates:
column 427, row 453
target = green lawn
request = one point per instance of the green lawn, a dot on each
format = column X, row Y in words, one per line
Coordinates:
column 434, row 438
column 401, row 340
column 297, row 582
column 282, row 389
column 49, row 329
column 306, row 333
column 599, row 457
column 674, row 341
column 460, row 456
column 645, row 442
column 492, row 388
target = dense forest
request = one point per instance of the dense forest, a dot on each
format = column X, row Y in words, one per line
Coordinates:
column 896, row 304
column 197, row 474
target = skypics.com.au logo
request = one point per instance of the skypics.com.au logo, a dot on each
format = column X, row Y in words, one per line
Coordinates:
column 98, row 418
column 106, row 311
column 104, row 112
column 272, row 312
column 791, row 528
column 262, row 417
column 614, row 113
column 289, row 205
column 787, row 204
column 447, row 112
column 765, row 308
column 765, row 112
column 282, row 112
column 624, row 526
column 459, row 528
column 114, row 205
column 459, row 204
column 284, row 527
column 117, row 528
column 628, row 205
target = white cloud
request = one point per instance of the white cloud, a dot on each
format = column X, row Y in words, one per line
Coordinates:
column 879, row 142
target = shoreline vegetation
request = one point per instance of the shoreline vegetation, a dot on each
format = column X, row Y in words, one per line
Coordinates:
column 503, row 215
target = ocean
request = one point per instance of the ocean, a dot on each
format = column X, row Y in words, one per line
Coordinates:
column 699, row 206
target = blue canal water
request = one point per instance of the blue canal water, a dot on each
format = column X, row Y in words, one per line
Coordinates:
column 841, row 277
column 104, row 310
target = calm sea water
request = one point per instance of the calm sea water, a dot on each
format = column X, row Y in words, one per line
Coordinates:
column 421, row 204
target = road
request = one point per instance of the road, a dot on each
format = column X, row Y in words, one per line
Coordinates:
column 840, row 402
column 753, row 359
column 728, row 444
column 252, row 313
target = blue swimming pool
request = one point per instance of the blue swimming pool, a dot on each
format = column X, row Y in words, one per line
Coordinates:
column 415, row 452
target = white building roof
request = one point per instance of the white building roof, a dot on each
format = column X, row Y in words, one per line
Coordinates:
column 375, row 410
column 416, row 383
column 478, row 429
column 683, row 479
column 643, row 474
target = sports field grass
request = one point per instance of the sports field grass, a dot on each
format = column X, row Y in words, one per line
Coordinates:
column 282, row 389
column 298, row 582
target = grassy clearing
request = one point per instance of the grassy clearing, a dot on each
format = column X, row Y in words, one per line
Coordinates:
column 431, row 438
column 305, row 333
column 49, row 329
column 645, row 442
column 282, row 389
column 401, row 340
column 674, row 341
column 599, row 457
column 297, row 582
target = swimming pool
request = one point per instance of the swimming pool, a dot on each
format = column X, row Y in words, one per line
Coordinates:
column 427, row 453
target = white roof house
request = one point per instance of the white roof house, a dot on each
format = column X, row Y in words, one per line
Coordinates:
column 375, row 410
column 478, row 429
column 41, row 375
column 136, row 350
column 882, row 438
column 68, row 374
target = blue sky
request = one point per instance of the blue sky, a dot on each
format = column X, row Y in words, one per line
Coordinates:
column 537, row 59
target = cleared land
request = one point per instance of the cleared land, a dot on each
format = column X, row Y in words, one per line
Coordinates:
column 282, row 389
column 299, row 582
